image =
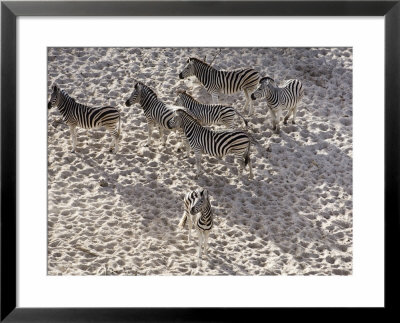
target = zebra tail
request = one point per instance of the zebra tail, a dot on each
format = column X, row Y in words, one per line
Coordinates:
column 247, row 157
column 260, row 148
column 244, row 120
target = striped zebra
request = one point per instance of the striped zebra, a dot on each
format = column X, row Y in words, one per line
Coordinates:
column 278, row 98
column 78, row 115
column 198, row 211
column 226, row 82
column 208, row 114
column 213, row 143
column 155, row 111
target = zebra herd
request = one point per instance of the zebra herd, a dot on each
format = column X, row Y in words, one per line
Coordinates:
column 190, row 118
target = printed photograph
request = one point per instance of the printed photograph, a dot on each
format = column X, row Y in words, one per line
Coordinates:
column 200, row 161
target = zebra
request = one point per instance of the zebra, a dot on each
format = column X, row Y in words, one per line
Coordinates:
column 197, row 209
column 226, row 82
column 208, row 114
column 286, row 97
column 78, row 115
column 213, row 143
column 156, row 112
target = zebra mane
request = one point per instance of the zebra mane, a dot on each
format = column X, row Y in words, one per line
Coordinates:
column 267, row 78
column 187, row 94
column 198, row 60
column 185, row 111
column 66, row 95
column 147, row 89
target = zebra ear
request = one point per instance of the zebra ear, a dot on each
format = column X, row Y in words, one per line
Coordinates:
column 55, row 88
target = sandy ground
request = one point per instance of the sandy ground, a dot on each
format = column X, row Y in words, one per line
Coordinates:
column 118, row 214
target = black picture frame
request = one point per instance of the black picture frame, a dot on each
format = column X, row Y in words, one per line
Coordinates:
column 10, row 10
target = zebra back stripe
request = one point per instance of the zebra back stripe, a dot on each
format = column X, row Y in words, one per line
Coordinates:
column 208, row 114
column 211, row 142
column 228, row 82
column 84, row 116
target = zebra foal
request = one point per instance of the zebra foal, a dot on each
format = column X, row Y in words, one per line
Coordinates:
column 198, row 213
column 213, row 143
column 78, row 115
column 156, row 112
column 222, row 82
column 278, row 98
column 208, row 114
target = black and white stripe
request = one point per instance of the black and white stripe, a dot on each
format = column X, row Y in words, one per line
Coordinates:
column 156, row 112
column 213, row 143
column 78, row 115
column 278, row 98
column 222, row 82
column 208, row 114
column 198, row 211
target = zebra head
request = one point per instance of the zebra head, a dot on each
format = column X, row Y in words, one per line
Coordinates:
column 179, row 100
column 263, row 89
column 181, row 114
column 135, row 96
column 188, row 70
column 176, row 121
column 201, row 200
column 54, row 97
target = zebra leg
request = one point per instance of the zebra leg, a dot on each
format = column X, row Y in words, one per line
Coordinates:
column 114, row 142
column 201, row 239
column 187, row 148
column 241, row 166
column 294, row 115
column 275, row 119
column 162, row 135
column 287, row 116
column 150, row 129
column 278, row 119
column 185, row 142
column 72, row 130
column 206, row 233
column 190, row 226
column 198, row 162
column 248, row 102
